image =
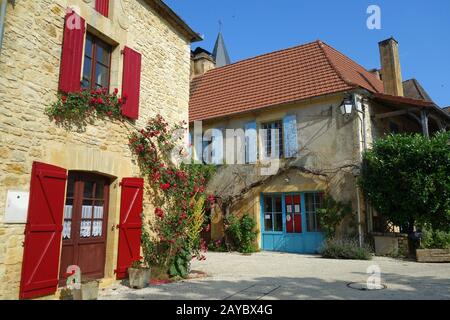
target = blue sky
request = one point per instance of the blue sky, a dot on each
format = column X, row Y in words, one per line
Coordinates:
column 254, row 27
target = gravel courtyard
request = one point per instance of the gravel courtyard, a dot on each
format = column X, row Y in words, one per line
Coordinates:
column 277, row 276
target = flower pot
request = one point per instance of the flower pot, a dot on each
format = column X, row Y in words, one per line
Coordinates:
column 138, row 278
column 87, row 291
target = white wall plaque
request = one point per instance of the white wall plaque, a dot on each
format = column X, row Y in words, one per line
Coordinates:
column 16, row 207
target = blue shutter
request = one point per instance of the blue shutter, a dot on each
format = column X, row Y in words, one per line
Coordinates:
column 290, row 136
column 251, row 143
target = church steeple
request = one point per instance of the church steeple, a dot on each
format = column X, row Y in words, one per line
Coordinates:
column 220, row 53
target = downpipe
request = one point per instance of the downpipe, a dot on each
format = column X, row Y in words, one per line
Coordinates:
column 2, row 21
column 360, row 108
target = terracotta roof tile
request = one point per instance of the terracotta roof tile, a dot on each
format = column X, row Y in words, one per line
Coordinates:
column 289, row 75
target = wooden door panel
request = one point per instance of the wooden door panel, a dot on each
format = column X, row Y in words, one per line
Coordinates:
column 43, row 231
column 130, row 224
column 86, row 251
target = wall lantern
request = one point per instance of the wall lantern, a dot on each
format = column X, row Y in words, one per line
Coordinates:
column 347, row 107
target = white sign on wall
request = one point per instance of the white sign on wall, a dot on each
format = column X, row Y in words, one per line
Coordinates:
column 16, row 207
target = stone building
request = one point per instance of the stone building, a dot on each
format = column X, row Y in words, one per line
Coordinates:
column 309, row 112
column 85, row 188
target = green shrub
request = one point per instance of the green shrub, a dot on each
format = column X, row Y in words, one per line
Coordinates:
column 345, row 249
column 241, row 232
column 332, row 214
column 406, row 178
column 432, row 239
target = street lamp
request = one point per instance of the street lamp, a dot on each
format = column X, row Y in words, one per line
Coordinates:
column 347, row 107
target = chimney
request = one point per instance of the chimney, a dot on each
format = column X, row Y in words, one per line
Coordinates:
column 376, row 73
column 201, row 62
column 391, row 73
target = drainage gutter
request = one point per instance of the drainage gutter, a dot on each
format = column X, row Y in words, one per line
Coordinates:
column 2, row 21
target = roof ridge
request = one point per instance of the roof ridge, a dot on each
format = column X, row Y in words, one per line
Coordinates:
column 333, row 66
column 357, row 64
column 264, row 55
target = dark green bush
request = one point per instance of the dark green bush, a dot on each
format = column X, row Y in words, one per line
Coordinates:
column 433, row 239
column 406, row 178
column 241, row 232
column 345, row 249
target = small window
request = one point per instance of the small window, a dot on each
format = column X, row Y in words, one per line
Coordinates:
column 97, row 63
column 272, row 140
column 273, row 214
column 313, row 202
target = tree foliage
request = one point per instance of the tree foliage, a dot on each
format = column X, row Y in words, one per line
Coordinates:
column 406, row 178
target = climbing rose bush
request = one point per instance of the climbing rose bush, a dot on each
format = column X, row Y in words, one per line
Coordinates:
column 177, row 193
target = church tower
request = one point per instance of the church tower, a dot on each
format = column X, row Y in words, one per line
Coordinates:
column 220, row 53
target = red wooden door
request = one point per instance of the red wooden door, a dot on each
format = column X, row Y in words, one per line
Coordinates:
column 43, row 231
column 130, row 224
column 293, row 214
column 85, row 225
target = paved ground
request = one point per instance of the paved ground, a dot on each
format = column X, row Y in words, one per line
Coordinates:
column 288, row 276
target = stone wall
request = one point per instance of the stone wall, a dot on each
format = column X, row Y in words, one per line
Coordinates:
column 29, row 71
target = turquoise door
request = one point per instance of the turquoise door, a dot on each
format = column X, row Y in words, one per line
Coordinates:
column 289, row 222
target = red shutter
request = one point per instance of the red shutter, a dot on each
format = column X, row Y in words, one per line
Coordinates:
column 289, row 216
column 43, row 231
column 131, row 82
column 72, row 53
column 130, row 224
column 102, row 6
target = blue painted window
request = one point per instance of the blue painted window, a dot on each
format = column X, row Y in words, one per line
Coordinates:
column 313, row 202
column 272, row 140
column 273, row 213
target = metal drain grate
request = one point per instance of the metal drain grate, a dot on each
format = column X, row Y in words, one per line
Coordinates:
column 362, row 286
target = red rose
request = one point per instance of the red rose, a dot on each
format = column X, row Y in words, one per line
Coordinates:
column 159, row 213
column 165, row 186
column 100, row 101
column 116, row 91
column 64, row 98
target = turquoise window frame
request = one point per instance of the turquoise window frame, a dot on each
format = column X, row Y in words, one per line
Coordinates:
column 283, row 203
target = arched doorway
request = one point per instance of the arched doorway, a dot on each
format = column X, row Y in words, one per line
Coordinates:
column 85, row 225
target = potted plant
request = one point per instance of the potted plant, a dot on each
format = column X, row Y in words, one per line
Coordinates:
column 86, row 290
column 138, row 275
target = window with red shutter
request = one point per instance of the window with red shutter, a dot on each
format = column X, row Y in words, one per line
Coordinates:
column 130, row 224
column 131, row 83
column 72, row 53
column 43, row 231
column 102, row 6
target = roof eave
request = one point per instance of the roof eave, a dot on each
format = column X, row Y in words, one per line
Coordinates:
column 170, row 16
column 287, row 103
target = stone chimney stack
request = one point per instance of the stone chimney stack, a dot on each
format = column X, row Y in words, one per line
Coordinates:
column 391, row 73
column 201, row 62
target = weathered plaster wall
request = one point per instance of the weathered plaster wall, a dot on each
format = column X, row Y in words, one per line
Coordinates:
column 328, row 144
column 29, row 71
